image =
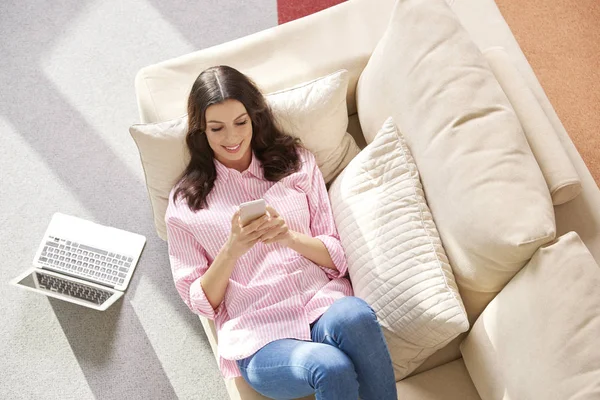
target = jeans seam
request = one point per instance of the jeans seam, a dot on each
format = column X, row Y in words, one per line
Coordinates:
column 279, row 366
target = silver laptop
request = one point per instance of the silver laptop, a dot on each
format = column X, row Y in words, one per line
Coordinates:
column 83, row 262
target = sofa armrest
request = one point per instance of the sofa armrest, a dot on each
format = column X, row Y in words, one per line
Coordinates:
column 560, row 175
column 340, row 37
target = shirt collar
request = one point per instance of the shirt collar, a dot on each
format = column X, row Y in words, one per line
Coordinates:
column 255, row 169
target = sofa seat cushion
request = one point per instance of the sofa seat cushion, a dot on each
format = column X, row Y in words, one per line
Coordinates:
column 446, row 354
column 485, row 189
column 314, row 111
column 538, row 339
column 447, row 382
column 395, row 257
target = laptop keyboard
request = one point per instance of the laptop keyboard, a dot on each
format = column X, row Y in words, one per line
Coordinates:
column 86, row 261
column 73, row 289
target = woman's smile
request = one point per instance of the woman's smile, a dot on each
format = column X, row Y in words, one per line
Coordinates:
column 233, row 149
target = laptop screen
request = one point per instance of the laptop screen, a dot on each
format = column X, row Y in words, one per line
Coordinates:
column 27, row 281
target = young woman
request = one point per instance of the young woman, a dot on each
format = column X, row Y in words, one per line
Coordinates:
column 285, row 316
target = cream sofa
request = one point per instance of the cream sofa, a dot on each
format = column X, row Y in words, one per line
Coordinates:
column 344, row 36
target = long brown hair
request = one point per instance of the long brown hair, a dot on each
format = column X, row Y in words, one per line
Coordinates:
column 272, row 147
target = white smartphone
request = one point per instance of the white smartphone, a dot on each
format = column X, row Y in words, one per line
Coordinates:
column 251, row 210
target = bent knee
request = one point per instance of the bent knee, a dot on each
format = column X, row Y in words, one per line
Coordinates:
column 355, row 309
column 334, row 366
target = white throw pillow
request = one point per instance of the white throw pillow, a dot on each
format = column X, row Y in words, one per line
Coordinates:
column 314, row 111
column 395, row 256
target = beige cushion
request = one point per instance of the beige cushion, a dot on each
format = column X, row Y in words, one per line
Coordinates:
column 314, row 111
column 486, row 26
column 538, row 339
column 562, row 179
column 448, row 382
column 164, row 157
column 485, row 189
column 395, row 257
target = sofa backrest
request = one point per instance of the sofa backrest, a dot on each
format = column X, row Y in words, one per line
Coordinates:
column 342, row 36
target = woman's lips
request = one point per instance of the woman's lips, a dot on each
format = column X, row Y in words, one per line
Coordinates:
column 233, row 149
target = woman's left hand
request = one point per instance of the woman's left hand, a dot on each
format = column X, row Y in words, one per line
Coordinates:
column 277, row 230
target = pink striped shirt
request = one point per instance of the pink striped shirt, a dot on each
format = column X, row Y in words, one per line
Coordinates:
column 273, row 292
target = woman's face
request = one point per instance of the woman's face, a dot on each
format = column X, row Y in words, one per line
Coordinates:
column 229, row 133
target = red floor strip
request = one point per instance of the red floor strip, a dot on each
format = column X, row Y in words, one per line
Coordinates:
column 289, row 10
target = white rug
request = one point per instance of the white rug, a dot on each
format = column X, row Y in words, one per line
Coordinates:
column 67, row 99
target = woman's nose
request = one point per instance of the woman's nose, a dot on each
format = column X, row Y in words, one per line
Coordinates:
column 230, row 135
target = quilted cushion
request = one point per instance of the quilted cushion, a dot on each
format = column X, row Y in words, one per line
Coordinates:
column 314, row 111
column 395, row 256
column 490, row 200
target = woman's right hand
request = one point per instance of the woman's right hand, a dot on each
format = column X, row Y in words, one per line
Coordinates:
column 242, row 238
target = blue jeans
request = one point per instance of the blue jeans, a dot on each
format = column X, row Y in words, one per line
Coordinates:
column 347, row 358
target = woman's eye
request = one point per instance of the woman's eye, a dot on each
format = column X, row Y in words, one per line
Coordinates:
column 221, row 128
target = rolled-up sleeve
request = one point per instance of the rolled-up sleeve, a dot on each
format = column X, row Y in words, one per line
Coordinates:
column 322, row 224
column 188, row 264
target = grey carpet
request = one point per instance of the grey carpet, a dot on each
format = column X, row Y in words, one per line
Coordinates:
column 67, row 99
